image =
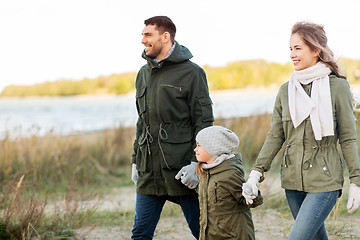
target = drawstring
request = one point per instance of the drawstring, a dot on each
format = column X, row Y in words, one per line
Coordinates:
column 149, row 139
column 316, row 151
column 163, row 136
column 161, row 132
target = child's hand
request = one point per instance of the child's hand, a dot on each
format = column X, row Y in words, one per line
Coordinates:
column 247, row 193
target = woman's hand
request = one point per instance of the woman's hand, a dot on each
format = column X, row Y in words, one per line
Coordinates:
column 250, row 189
column 354, row 198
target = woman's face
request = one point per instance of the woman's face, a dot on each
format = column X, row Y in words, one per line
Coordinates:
column 301, row 55
column 202, row 155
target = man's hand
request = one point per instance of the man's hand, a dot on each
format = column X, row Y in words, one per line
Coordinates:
column 134, row 173
column 188, row 176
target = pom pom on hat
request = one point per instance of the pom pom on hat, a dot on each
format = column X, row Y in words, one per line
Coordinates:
column 217, row 140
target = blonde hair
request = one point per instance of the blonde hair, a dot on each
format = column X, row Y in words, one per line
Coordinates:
column 314, row 36
column 200, row 171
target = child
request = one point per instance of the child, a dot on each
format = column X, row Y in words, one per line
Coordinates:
column 224, row 213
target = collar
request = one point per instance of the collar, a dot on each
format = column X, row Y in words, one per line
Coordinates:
column 169, row 53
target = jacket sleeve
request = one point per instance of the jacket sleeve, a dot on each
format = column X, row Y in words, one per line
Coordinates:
column 274, row 139
column 257, row 201
column 234, row 185
column 347, row 130
column 200, row 102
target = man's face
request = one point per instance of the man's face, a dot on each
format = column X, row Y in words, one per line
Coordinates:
column 152, row 41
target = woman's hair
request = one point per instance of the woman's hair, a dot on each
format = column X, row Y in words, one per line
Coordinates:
column 314, row 36
column 200, row 171
column 162, row 24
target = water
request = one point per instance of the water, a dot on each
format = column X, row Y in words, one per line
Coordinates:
column 66, row 115
column 227, row 104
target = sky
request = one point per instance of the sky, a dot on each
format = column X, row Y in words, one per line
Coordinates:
column 49, row 40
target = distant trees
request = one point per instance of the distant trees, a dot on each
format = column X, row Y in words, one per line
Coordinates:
column 351, row 68
column 113, row 84
column 238, row 74
column 242, row 74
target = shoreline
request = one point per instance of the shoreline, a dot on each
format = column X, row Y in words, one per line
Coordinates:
column 248, row 89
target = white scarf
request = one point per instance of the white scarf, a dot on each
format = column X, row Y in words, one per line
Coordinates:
column 318, row 106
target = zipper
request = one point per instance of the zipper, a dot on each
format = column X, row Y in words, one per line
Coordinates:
column 216, row 191
column 172, row 86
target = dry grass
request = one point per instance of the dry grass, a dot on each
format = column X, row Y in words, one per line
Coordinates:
column 62, row 171
column 24, row 215
column 46, row 179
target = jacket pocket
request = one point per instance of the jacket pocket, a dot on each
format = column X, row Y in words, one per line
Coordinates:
column 287, row 167
column 170, row 91
column 216, row 191
column 226, row 224
column 324, row 166
column 177, row 147
column 206, row 109
column 141, row 158
column 140, row 100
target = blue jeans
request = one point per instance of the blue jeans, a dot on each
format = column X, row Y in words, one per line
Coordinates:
column 310, row 211
column 148, row 211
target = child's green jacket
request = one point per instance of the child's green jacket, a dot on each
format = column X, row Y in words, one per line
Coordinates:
column 223, row 210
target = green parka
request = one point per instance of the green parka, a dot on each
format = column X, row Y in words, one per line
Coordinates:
column 307, row 164
column 173, row 105
column 224, row 213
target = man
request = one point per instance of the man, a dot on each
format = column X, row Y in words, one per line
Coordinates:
column 173, row 104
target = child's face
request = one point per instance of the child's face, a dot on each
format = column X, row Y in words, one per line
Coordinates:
column 202, row 155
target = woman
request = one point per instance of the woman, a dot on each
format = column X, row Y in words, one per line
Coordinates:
column 312, row 113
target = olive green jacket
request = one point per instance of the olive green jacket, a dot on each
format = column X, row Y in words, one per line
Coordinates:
column 173, row 105
column 223, row 210
column 307, row 164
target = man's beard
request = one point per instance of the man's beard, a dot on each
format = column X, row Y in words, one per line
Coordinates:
column 156, row 51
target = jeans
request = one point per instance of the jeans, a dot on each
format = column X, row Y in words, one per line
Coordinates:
column 148, row 211
column 310, row 211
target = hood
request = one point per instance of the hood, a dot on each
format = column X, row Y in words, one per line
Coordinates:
column 234, row 162
column 180, row 54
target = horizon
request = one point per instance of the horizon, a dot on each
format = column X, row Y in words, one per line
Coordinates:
column 135, row 71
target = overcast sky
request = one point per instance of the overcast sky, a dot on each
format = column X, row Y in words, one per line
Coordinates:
column 48, row 40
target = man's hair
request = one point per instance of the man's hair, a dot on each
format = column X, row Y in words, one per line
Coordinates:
column 162, row 24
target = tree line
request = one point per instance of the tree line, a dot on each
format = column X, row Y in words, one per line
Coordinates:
column 235, row 75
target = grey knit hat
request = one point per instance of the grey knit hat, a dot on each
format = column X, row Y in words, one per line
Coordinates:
column 217, row 140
